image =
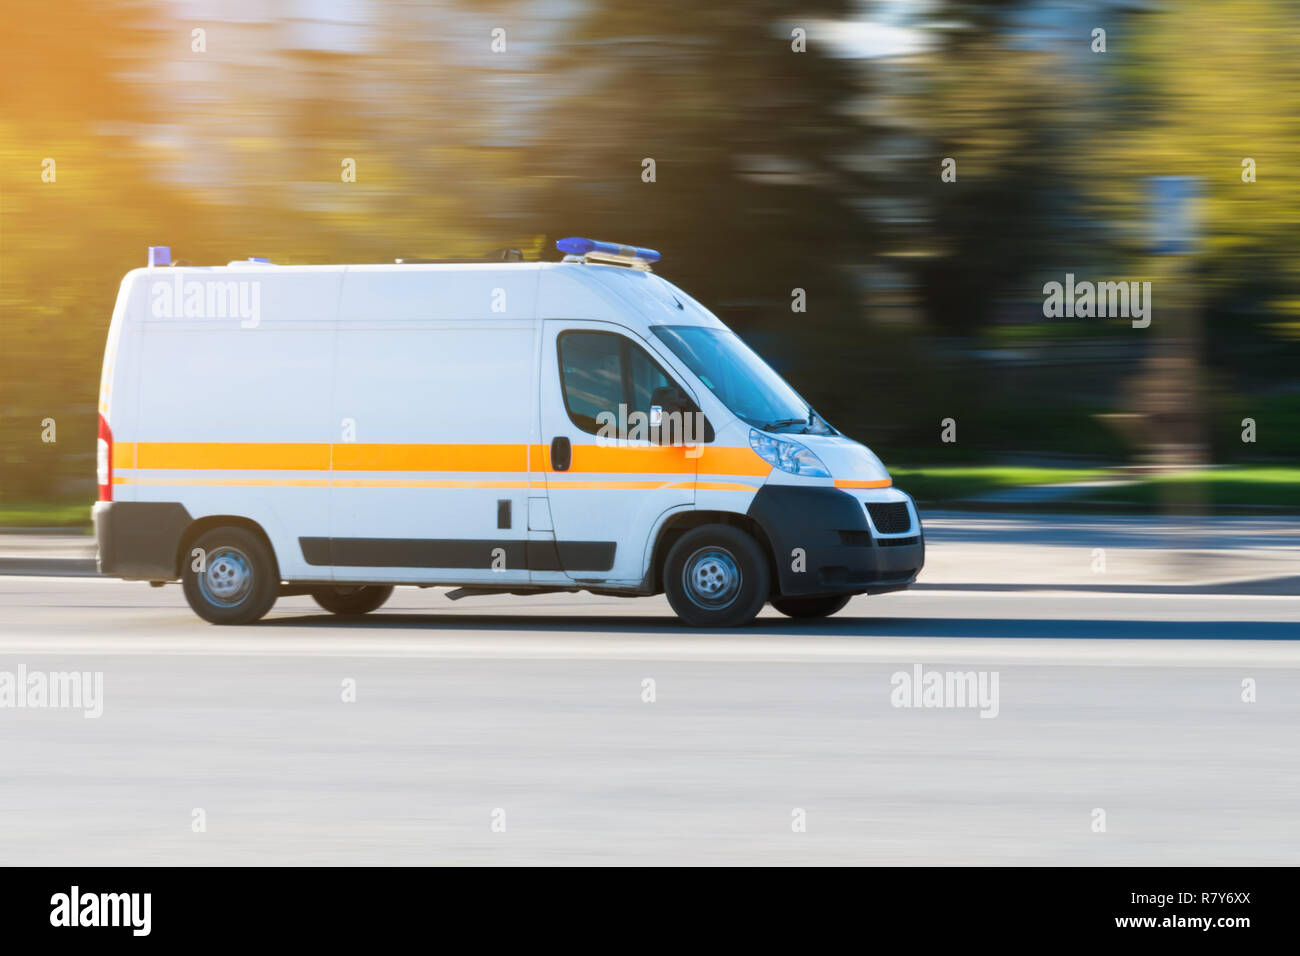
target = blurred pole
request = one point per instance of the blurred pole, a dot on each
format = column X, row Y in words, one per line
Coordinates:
column 1174, row 377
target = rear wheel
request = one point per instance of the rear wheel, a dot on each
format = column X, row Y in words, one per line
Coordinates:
column 716, row 576
column 811, row 606
column 236, row 582
column 360, row 599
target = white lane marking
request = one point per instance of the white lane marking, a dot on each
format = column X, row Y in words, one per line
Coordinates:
column 449, row 642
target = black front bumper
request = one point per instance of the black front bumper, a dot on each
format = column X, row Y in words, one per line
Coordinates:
column 823, row 544
column 140, row 539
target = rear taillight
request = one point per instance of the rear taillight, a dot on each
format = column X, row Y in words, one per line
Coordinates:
column 104, row 460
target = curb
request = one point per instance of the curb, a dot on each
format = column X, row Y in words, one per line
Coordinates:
column 50, row 567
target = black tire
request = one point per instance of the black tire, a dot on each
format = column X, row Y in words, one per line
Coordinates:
column 726, row 560
column 240, row 581
column 806, row 607
column 359, row 599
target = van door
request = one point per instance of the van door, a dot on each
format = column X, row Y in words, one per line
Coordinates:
column 430, row 479
column 608, row 481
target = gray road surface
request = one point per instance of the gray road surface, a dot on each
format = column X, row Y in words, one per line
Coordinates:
column 1128, row 703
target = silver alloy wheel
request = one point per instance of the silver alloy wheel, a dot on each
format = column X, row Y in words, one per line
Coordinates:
column 228, row 577
column 711, row 578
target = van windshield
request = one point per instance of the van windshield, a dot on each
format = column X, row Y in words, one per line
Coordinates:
column 743, row 382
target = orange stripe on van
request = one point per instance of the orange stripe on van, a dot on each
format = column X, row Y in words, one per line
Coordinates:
column 225, row 482
column 431, row 483
column 658, row 460
column 232, row 456
column 714, row 486
column 606, row 485
column 355, row 457
column 882, row 483
column 594, row 485
column 629, row 459
column 323, row 483
column 732, row 461
column 348, row 456
column 345, row 456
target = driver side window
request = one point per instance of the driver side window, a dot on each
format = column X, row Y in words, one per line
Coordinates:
column 644, row 376
column 610, row 383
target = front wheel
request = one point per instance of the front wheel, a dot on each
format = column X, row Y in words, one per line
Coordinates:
column 716, row 576
column 811, row 606
column 361, row 599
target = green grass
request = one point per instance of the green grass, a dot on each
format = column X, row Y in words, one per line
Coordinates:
column 46, row 514
column 969, row 481
column 1258, row 487
column 1238, row 486
column 1049, row 330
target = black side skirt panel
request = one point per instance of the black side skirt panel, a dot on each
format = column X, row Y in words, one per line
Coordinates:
column 458, row 553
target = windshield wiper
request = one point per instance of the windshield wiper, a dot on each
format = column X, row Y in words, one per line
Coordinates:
column 783, row 423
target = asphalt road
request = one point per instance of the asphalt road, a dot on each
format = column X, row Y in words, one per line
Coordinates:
column 1127, row 703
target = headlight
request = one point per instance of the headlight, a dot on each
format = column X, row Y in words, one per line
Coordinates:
column 787, row 455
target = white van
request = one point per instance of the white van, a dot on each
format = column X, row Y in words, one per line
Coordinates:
column 498, row 427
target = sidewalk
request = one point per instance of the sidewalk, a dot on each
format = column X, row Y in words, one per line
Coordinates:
column 1019, row 551
column 47, row 553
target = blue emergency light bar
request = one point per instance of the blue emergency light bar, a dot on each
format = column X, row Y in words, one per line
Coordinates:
column 613, row 251
column 160, row 255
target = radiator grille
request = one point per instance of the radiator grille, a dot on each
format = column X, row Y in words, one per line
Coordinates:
column 889, row 517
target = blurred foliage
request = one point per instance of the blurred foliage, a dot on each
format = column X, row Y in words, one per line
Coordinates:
column 72, row 514
column 1207, row 86
column 944, row 484
column 773, row 171
column 1243, row 488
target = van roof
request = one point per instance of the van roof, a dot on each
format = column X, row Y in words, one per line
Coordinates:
column 413, row 291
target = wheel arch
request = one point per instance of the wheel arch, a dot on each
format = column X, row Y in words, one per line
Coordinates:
column 201, row 526
column 678, row 523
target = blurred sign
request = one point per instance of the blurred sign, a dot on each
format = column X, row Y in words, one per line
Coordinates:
column 1174, row 216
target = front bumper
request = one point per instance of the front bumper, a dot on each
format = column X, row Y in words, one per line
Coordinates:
column 823, row 543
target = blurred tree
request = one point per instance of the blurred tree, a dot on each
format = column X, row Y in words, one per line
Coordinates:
column 64, row 99
column 755, row 190
column 1007, row 112
column 1207, row 90
column 242, row 158
column 1204, row 87
column 775, row 170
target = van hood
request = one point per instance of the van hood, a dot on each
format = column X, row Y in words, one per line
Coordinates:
column 844, row 458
